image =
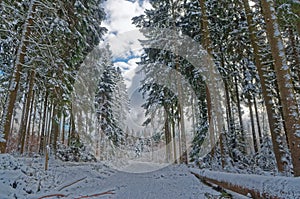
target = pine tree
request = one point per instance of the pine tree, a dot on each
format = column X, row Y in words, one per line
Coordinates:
column 14, row 85
column 261, row 68
column 120, row 100
column 286, row 90
column 43, row 43
column 104, row 103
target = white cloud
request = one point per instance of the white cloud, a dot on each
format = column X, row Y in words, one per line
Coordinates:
column 120, row 13
column 123, row 36
column 126, row 44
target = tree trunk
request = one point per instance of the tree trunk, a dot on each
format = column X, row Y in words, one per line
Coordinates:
column 24, row 123
column 179, row 141
column 72, row 132
column 174, row 136
column 167, row 137
column 252, row 125
column 14, row 87
column 28, row 137
column 257, row 122
column 63, row 129
column 182, row 137
column 222, row 150
column 43, row 137
column 21, row 136
column 49, row 132
column 33, row 135
column 55, row 127
column 269, row 104
column 240, row 114
column 39, row 130
column 206, row 43
column 287, row 94
column 295, row 52
column 184, row 156
column 228, row 104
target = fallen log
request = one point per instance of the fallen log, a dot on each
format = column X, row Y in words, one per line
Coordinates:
column 256, row 186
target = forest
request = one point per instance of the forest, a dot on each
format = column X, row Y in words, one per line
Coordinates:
column 221, row 84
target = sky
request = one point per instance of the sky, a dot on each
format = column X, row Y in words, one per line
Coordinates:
column 123, row 40
column 123, row 35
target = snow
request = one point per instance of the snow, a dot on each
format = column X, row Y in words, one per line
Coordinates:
column 2, row 137
column 279, row 186
column 298, row 133
column 26, row 178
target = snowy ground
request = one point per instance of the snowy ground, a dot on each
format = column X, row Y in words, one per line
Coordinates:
column 26, row 178
column 277, row 186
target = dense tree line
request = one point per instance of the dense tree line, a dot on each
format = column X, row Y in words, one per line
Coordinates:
column 43, row 44
column 49, row 51
column 255, row 46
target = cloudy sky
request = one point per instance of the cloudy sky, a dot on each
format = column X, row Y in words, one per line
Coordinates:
column 123, row 39
column 123, row 35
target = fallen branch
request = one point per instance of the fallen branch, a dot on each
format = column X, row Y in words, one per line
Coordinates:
column 97, row 194
column 71, row 184
column 52, row 195
column 87, row 196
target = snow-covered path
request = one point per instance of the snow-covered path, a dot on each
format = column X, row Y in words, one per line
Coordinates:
column 174, row 181
column 26, row 178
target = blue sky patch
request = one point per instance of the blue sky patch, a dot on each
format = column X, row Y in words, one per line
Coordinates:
column 125, row 59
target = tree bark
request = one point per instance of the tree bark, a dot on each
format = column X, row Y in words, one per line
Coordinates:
column 269, row 104
column 63, row 129
column 167, row 136
column 43, row 137
column 55, row 127
column 24, row 122
column 28, row 129
column 33, row 137
column 295, row 52
column 182, row 137
column 206, row 43
column 174, row 136
column 252, row 125
column 229, row 109
column 258, row 122
column 240, row 114
column 14, row 87
column 283, row 74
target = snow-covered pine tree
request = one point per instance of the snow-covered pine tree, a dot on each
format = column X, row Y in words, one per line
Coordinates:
column 262, row 63
column 51, row 57
column 109, row 130
column 15, row 80
column 168, row 14
column 120, row 100
column 283, row 73
column 228, row 49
